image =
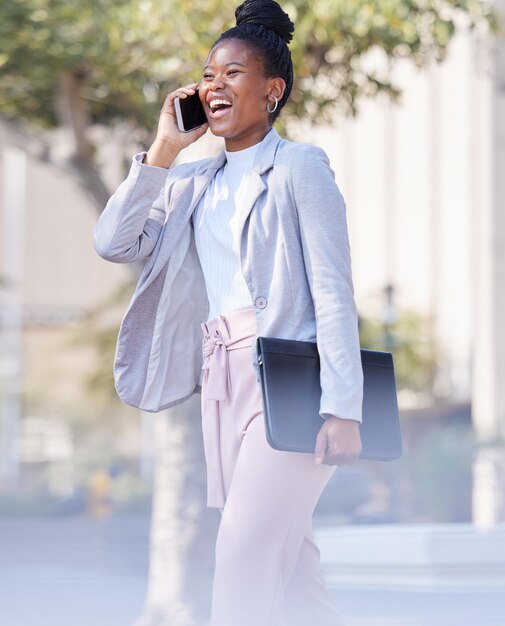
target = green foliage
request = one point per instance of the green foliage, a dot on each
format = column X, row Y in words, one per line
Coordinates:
column 415, row 353
column 129, row 55
column 334, row 37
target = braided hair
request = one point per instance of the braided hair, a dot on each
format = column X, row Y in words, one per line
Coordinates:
column 263, row 25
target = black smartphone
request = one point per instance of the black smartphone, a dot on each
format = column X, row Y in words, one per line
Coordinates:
column 189, row 112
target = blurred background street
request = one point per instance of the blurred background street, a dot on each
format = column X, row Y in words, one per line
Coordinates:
column 94, row 573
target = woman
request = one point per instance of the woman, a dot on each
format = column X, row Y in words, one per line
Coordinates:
column 251, row 242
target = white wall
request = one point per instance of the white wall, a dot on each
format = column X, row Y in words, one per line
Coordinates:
column 62, row 271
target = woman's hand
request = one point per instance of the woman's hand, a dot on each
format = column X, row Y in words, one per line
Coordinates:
column 169, row 139
column 338, row 442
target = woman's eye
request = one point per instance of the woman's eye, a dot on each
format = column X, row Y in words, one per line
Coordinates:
column 228, row 73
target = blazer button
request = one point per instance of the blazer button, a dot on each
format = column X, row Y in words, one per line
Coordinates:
column 261, row 303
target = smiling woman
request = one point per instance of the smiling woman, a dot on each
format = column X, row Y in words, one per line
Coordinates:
column 235, row 92
column 252, row 242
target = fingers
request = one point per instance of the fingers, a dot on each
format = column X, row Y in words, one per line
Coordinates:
column 338, row 442
column 336, row 457
column 198, row 132
column 320, row 449
column 344, row 452
column 180, row 92
column 168, row 129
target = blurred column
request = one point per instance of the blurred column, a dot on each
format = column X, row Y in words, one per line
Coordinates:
column 488, row 375
column 390, row 195
column 14, row 184
column 435, row 233
column 391, row 270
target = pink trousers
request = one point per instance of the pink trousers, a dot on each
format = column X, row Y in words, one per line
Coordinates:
column 267, row 566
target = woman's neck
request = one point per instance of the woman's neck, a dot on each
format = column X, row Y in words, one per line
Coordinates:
column 232, row 144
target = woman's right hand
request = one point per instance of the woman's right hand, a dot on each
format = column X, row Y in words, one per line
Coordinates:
column 169, row 139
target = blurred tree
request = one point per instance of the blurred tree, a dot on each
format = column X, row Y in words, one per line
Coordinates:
column 74, row 65
column 107, row 61
column 416, row 359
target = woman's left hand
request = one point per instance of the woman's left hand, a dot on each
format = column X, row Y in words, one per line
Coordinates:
column 338, row 442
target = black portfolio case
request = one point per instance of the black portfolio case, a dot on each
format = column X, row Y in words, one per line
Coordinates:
column 292, row 393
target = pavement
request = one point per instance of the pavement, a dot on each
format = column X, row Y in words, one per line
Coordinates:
column 84, row 572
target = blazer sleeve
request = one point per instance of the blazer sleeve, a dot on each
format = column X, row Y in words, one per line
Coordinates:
column 129, row 226
column 324, row 237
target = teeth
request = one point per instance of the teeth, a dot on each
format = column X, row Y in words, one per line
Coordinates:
column 214, row 103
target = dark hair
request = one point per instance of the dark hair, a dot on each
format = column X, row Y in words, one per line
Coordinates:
column 265, row 26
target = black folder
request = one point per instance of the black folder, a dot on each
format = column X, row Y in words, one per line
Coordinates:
column 290, row 382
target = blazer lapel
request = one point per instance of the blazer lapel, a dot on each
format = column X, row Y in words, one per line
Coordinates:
column 185, row 194
column 263, row 162
column 202, row 180
column 193, row 188
column 255, row 189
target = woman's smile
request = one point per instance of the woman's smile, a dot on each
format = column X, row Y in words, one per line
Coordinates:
column 218, row 107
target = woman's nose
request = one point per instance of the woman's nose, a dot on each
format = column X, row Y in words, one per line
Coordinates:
column 216, row 83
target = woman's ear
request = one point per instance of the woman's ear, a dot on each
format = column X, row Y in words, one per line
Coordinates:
column 277, row 87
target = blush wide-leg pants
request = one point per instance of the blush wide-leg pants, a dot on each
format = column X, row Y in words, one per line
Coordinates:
column 267, row 566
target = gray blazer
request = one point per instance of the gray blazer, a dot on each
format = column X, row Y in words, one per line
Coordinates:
column 295, row 258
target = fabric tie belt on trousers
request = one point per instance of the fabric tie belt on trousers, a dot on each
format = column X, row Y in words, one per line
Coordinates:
column 215, row 364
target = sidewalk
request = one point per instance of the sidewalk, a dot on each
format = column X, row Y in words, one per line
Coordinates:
column 415, row 575
column 413, row 556
column 82, row 572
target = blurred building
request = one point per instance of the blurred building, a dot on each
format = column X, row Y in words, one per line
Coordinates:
column 51, row 279
column 425, row 188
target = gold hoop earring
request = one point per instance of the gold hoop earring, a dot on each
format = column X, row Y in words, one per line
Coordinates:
column 275, row 105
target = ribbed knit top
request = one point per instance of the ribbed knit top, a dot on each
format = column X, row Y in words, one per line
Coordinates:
column 215, row 221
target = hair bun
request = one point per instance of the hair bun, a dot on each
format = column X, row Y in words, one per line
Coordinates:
column 266, row 13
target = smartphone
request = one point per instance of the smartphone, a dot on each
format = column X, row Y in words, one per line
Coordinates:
column 189, row 112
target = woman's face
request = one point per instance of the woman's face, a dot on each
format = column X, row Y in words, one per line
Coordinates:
column 233, row 73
